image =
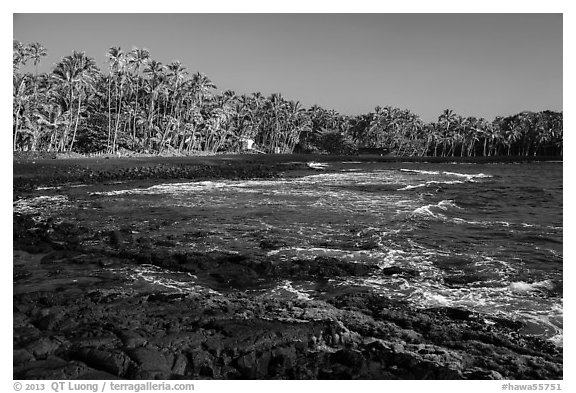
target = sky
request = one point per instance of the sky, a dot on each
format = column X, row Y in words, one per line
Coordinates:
column 480, row 65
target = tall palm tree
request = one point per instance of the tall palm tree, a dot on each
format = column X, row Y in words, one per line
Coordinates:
column 21, row 96
column 36, row 51
column 446, row 122
column 273, row 108
column 155, row 71
column 118, row 62
column 202, row 87
column 76, row 72
column 176, row 77
column 20, row 56
column 137, row 58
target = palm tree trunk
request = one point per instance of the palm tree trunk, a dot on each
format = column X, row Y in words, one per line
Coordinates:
column 52, row 139
column 119, row 110
column 135, row 114
column 64, row 139
column 17, row 126
column 150, row 122
column 77, row 120
column 109, row 112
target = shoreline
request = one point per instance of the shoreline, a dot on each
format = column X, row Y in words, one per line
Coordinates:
column 29, row 172
column 80, row 314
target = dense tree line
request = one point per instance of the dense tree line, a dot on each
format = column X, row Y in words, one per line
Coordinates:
column 142, row 105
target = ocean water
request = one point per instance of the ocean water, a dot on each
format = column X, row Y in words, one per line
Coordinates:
column 482, row 237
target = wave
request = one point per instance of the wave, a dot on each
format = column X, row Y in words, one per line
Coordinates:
column 41, row 205
column 427, row 210
column 317, row 165
column 516, row 226
column 469, row 176
column 420, row 171
column 542, row 317
column 442, row 178
column 47, row 188
column 466, row 175
column 429, row 183
column 524, row 287
column 176, row 188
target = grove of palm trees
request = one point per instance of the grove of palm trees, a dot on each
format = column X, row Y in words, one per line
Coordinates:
column 141, row 105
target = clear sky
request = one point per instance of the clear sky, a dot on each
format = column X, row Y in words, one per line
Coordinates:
column 476, row 64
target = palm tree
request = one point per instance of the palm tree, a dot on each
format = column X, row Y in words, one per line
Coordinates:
column 528, row 130
column 50, row 116
column 298, row 122
column 429, row 132
column 176, row 77
column 243, row 121
column 512, row 135
column 20, row 90
column 117, row 60
column 155, row 72
column 36, row 51
column 273, row 111
column 20, row 55
column 446, row 123
column 76, row 73
column 201, row 86
column 20, row 99
column 137, row 58
column 475, row 131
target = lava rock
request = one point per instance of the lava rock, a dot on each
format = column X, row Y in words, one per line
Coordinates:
column 152, row 360
column 113, row 361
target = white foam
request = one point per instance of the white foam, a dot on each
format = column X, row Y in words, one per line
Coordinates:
column 468, row 176
column 557, row 339
column 413, row 187
column 427, row 211
column 352, row 256
column 175, row 281
column 392, row 257
column 524, row 287
column 41, row 205
column 288, row 287
column 447, row 203
column 169, row 188
column 427, row 291
column 420, row 171
column 462, row 221
column 47, row 188
column 317, row 165
column 429, row 183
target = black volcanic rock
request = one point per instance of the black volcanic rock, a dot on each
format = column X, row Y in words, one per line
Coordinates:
column 326, row 267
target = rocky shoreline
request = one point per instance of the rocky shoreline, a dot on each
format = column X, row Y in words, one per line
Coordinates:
column 77, row 317
column 45, row 170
